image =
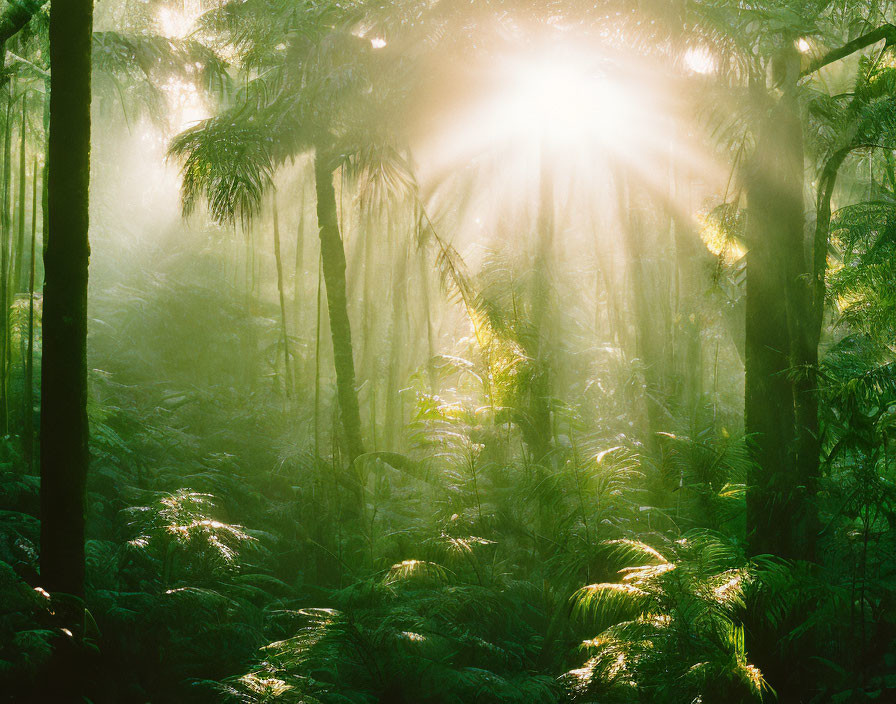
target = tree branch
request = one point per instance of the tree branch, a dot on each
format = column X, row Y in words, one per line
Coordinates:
column 887, row 32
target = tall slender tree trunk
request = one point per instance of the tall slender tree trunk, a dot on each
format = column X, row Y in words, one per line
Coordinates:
column 809, row 318
column 300, row 366
column 366, row 256
column 45, row 176
column 537, row 428
column 6, row 224
column 28, row 396
column 644, row 323
column 333, row 258
column 317, row 315
column 689, row 363
column 427, row 316
column 249, row 338
column 397, row 343
column 18, row 258
column 299, row 263
column 287, row 363
column 64, row 427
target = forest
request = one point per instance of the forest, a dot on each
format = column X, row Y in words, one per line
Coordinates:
column 447, row 351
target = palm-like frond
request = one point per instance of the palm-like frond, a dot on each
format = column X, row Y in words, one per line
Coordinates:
column 181, row 521
column 865, row 237
column 139, row 68
column 228, row 162
column 415, row 570
column 610, row 602
column 670, row 625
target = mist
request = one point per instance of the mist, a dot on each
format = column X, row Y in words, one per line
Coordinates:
column 444, row 352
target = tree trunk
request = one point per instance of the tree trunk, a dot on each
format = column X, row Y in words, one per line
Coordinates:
column 64, row 427
column 299, row 263
column 317, row 315
column 333, row 258
column 646, row 345
column 427, row 316
column 45, row 176
column 6, row 219
column 368, row 354
column 287, row 363
column 300, row 361
column 18, row 258
column 826, row 184
column 397, row 342
column 28, row 398
column 536, row 428
column 779, row 513
column 808, row 316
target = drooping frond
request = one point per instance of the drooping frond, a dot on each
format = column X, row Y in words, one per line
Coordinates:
column 629, row 550
column 610, row 602
column 415, row 569
column 157, row 57
column 228, row 162
column 384, row 175
column 449, row 263
column 141, row 68
column 182, row 521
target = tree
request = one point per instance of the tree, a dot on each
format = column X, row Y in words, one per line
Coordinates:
column 786, row 262
column 776, row 501
column 64, row 428
column 786, row 296
column 315, row 99
column 333, row 258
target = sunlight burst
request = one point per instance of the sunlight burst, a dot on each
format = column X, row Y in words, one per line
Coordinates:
column 175, row 24
column 185, row 103
column 700, row 60
column 564, row 98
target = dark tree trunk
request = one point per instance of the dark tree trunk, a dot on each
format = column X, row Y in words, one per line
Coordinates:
column 5, row 264
column 808, row 317
column 64, row 428
column 333, row 259
column 779, row 403
column 826, row 185
column 45, row 175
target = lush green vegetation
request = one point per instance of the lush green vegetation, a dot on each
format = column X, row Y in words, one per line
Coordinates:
column 457, row 353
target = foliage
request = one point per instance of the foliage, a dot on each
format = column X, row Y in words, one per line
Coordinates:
column 554, row 502
column 671, row 630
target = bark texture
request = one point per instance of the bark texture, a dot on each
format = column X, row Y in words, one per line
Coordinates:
column 333, row 259
column 63, row 427
column 780, row 404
